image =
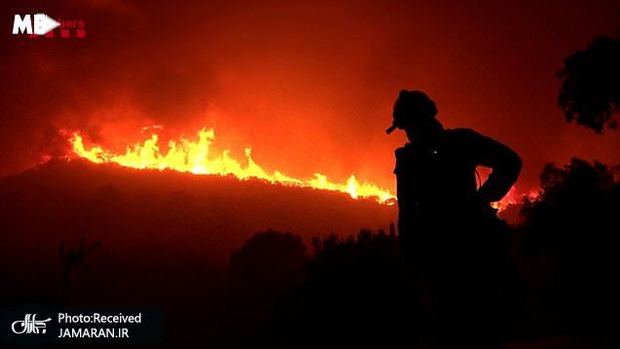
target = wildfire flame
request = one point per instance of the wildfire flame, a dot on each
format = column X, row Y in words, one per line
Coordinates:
column 197, row 157
column 515, row 198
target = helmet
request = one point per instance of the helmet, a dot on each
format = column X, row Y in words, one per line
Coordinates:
column 411, row 106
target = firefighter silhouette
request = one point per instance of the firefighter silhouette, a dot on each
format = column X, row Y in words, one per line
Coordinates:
column 447, row 227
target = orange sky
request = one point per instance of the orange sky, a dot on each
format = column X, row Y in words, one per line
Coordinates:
column 309, row 85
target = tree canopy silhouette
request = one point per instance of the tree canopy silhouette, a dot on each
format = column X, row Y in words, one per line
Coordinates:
column 573, row 226
column 354, row 293
column 590, row 90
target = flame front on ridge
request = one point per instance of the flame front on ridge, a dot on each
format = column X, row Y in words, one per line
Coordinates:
column 197, row 157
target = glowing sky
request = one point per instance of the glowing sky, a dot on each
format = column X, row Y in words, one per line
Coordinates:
column 308, row 85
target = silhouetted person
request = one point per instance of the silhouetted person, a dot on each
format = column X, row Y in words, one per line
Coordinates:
column 446, row 225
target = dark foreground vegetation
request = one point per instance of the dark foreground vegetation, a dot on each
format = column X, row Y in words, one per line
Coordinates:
column 287, row 291
column 356, row 291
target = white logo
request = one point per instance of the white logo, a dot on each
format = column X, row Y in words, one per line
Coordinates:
column 43, row 24
column 29, row 325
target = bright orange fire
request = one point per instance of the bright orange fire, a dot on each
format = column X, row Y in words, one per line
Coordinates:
column 514, row 198
column 197, row 157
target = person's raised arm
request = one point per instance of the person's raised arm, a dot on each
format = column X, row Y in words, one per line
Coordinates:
column 505, row 166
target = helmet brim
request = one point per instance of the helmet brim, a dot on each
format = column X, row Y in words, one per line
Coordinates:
column 391, row 129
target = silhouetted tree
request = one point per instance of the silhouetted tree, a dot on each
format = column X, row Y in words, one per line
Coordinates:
column 268, row 261
column 268, row 265
column 590, row 91
column 354, row 294
column 574, row 225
